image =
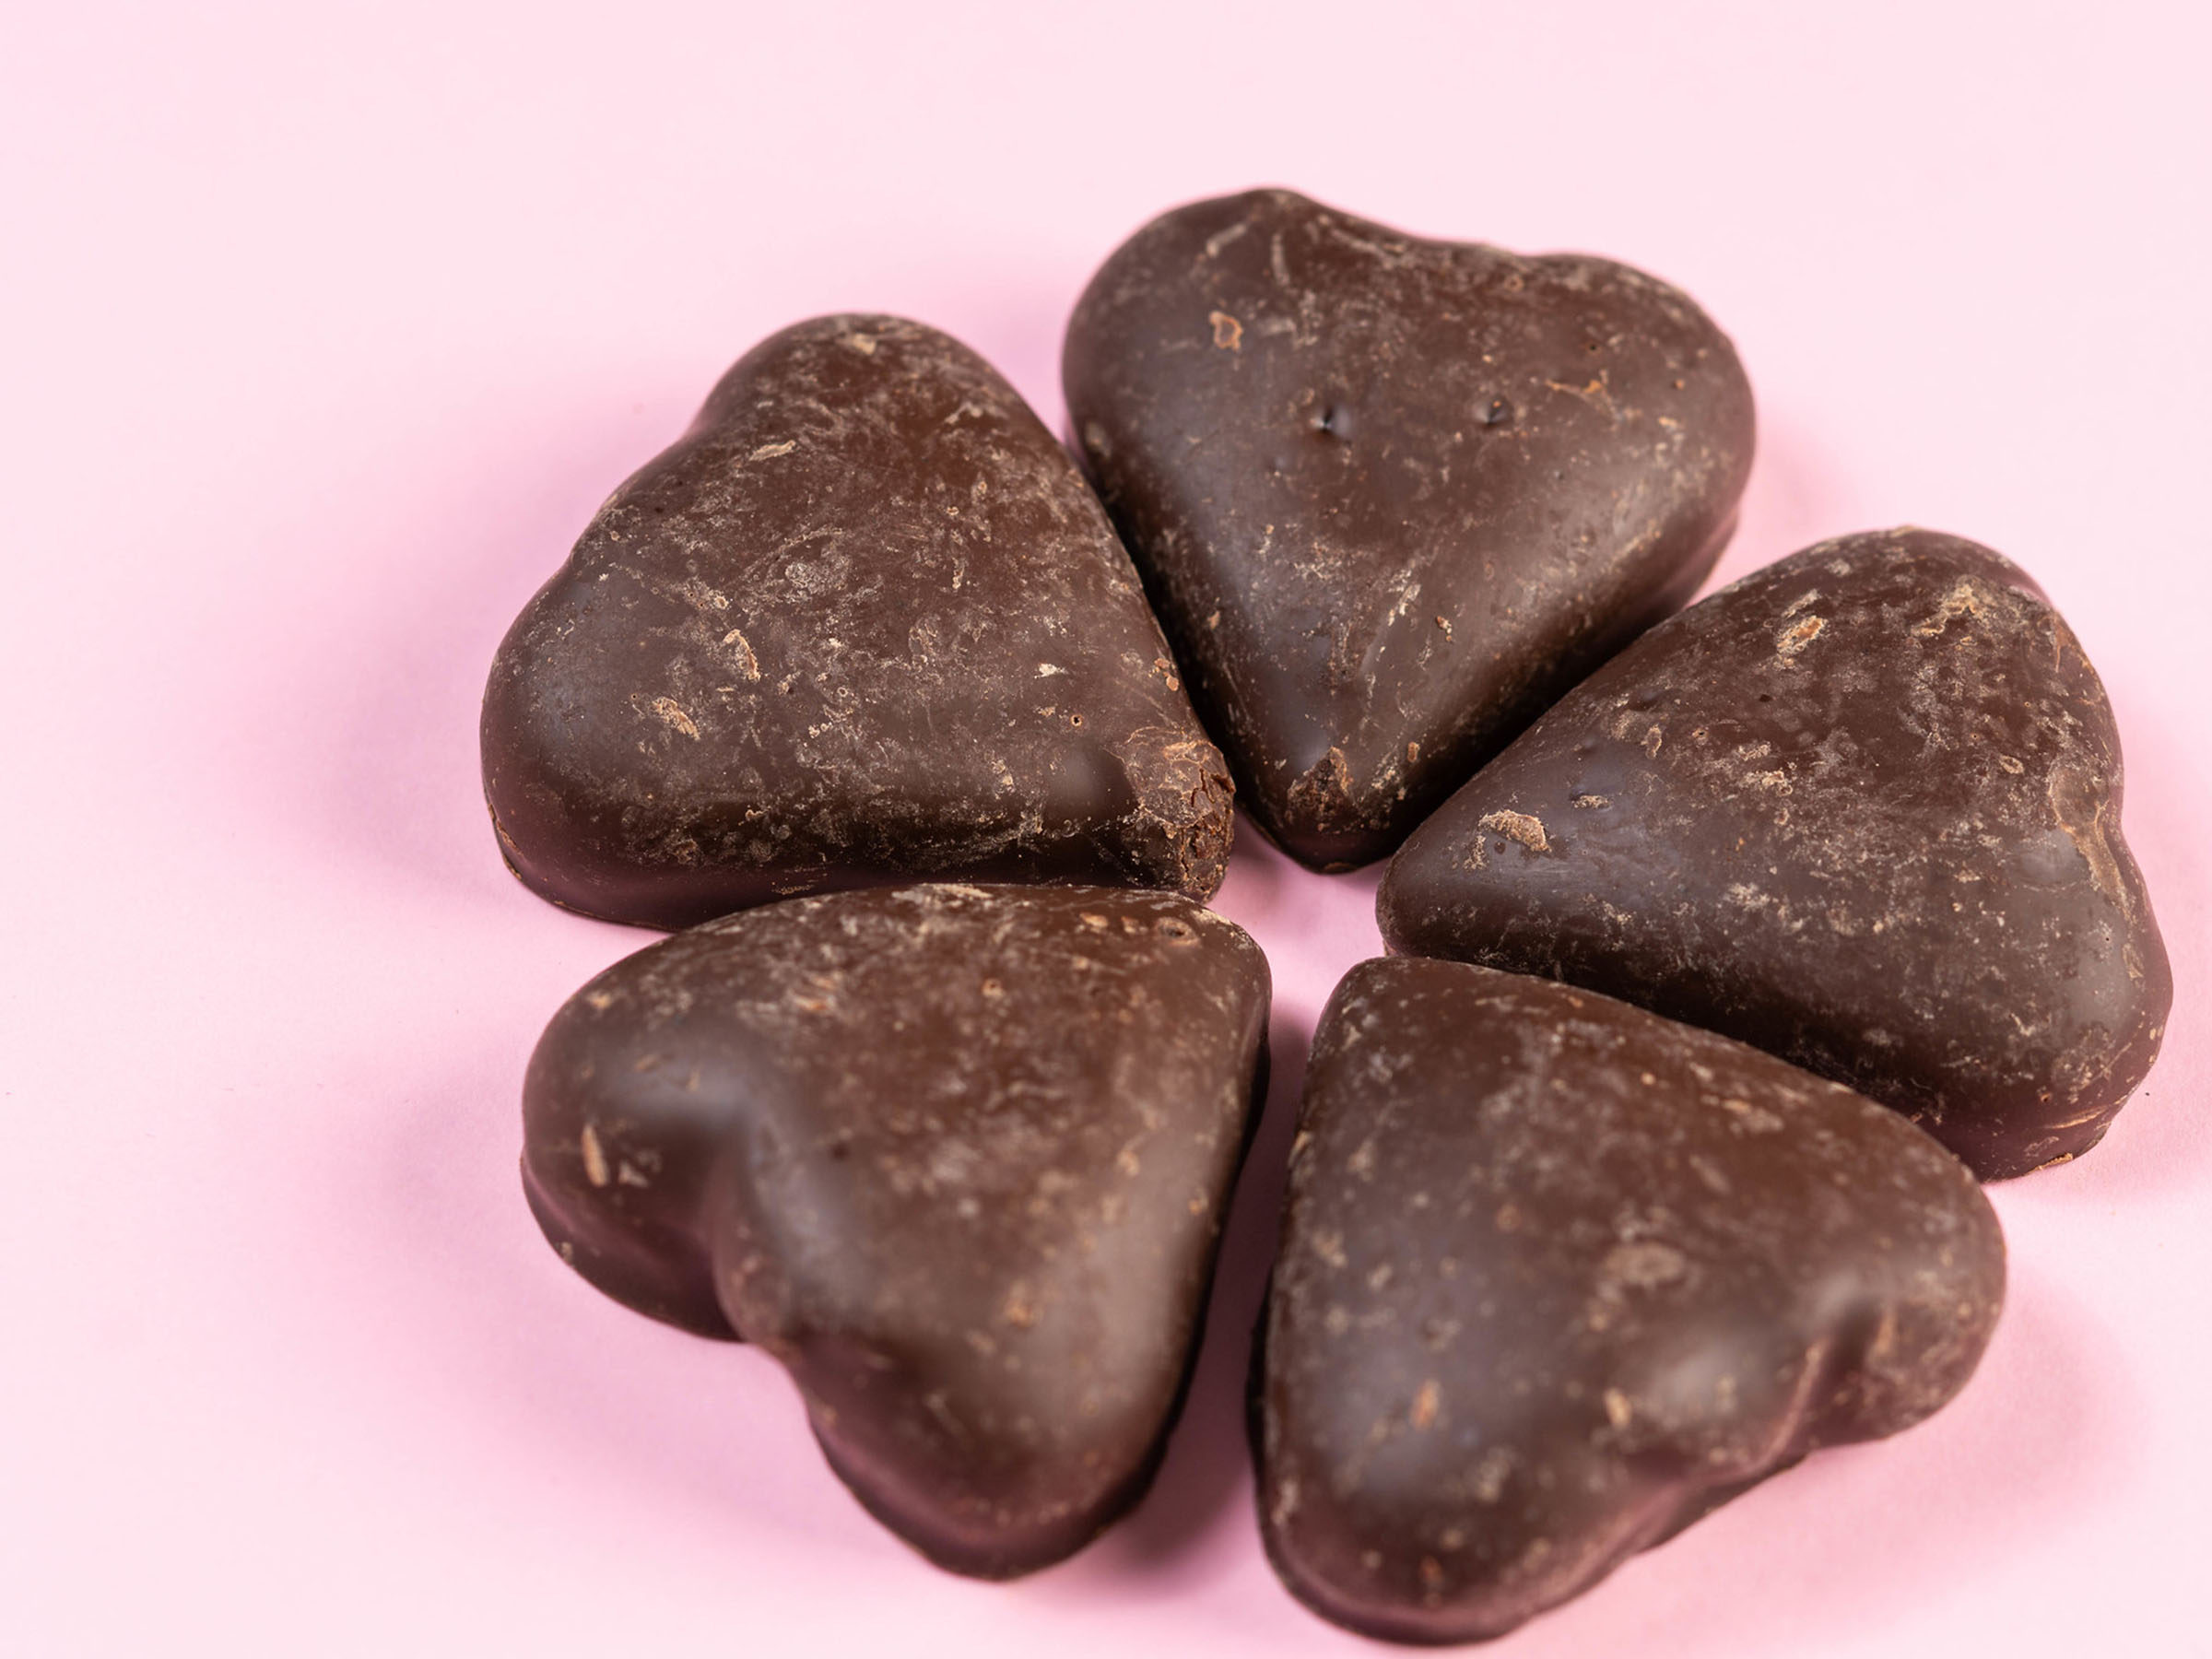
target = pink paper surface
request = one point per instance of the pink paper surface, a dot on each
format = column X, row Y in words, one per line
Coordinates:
column 326, row 329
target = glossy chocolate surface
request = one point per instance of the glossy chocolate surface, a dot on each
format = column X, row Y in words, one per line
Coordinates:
column 1558, row 1276
column 863, row 623
column 1391, row 496
column 1861, row 809
column 956, row 1156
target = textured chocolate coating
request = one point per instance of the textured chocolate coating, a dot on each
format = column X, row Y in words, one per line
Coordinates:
column 1391, row 496
column 1558, row 1276
column 956, row 1156
column 1861, row 809
column 863, row 623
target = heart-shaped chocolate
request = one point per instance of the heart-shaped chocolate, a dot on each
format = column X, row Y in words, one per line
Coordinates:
column 1861, row 809
column 863, row 622
column 956, row 1156
column 1558, row 1276
column 1391, row 496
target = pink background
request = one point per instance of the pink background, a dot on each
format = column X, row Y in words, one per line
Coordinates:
column 325, row 329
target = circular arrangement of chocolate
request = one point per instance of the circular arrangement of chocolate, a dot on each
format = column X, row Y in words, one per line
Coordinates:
column 1586, row 1232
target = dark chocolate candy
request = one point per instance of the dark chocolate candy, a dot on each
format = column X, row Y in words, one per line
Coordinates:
column 1558, row 1276
column 863, row 622
column 956, row 1156
column 1391, row 496
column 1861, row 809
